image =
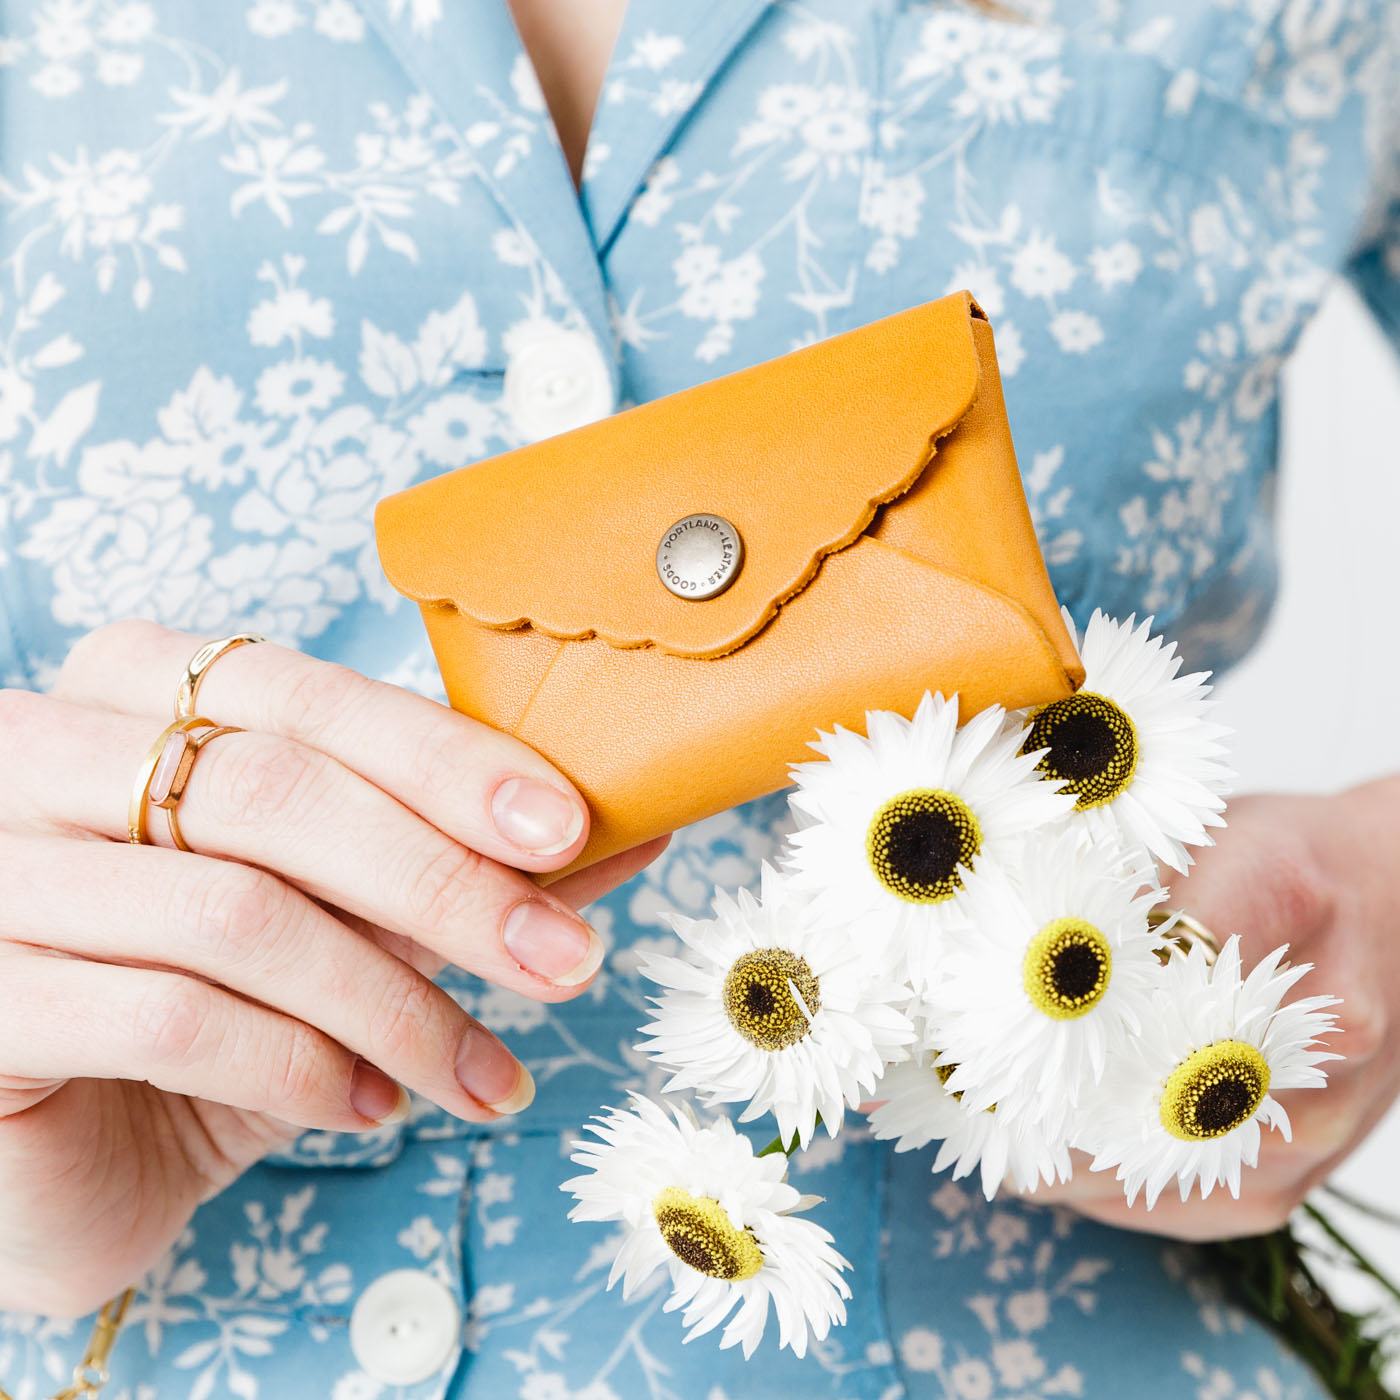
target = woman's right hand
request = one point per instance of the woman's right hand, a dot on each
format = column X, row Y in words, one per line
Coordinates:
column 169, row 1018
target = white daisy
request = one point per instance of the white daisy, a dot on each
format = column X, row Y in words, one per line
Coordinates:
column 1133, row 745
column 1189, row 1101
column 777, row 1006
column 890, row 823
column 722, row 1220
column 918, row 1107
column 1052, row 977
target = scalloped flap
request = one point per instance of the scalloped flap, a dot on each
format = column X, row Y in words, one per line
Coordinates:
column 796, row 453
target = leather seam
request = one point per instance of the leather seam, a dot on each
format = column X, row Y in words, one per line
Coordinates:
column 1031, row 621
column 539, row 686
column 813, row 567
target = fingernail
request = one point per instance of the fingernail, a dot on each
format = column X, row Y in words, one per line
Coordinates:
column 375, row 1096
column 551, row 944
column 491, row 1074
column 535, row 816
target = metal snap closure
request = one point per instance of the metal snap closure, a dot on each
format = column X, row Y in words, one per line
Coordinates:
column 699, row 556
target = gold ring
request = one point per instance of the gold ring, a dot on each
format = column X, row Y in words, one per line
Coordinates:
column 164, row 774
column 1181, row 932
column 200, row 663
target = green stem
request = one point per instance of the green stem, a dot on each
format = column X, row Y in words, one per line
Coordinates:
column 1376, row 1212
column 1270, row 1275
column 1355, row 1254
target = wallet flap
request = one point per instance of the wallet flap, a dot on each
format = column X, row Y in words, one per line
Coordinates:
column 562, row 535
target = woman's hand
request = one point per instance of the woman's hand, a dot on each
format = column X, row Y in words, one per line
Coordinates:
column 1321, row 874
column 169, row 1018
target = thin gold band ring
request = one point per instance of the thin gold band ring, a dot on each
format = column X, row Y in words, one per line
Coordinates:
column 1181, row 932
column 199, row 665
column 164, row 774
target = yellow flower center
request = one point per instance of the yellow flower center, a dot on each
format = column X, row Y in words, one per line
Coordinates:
column 1093, row 747
column 759, row 1000
column 945, row 1073
column 917, row 841
column 1066, row 968
column 699, row 1232
column 1213, row 1090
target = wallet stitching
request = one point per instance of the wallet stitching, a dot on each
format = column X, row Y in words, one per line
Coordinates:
column 819, row 555
column 822, row 552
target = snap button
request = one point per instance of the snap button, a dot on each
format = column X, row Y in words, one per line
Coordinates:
column 699, row 556
column 404, row 1327
column 556, row 380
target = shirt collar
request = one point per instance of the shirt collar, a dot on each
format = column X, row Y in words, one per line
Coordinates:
column 666, row 56
column 468, row 58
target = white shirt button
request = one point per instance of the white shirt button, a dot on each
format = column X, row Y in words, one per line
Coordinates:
column 556, row 379
column 404, row 1327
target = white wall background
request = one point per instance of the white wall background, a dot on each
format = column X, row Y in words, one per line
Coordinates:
column 1317, row 706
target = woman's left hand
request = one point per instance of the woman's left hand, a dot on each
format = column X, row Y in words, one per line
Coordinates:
column 1321, row 874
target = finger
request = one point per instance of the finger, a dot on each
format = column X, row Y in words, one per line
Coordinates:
column 71, row 1019
column 1220, row 1217
column 1261, row 880
column 268, row 802
column 246, row 931
column 486, row 789
column 584, row 886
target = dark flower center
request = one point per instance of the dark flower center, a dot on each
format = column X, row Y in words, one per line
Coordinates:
column 1066, row 968
column 918, row 840
column 759, row 1000
column 699, row 1232
column 1214, row 1090
column 1092, row 747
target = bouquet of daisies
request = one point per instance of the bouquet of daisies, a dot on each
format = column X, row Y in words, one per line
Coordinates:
column 967, row 932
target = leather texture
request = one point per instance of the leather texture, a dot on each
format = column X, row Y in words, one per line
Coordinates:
column 888, row 551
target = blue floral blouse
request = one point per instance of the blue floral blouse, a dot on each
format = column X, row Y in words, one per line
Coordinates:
column 263, row 262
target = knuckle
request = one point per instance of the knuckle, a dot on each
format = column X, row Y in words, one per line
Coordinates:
column 439, row 760
column 262, row 781
column 294, row 1070
column 1365, row 1026
column 1295, row 895
column 171, row 1020
column 94, row 652
column 323, row 693
column 444, row 892
column 229, row 914
column 400, row 1023
column 20, row 712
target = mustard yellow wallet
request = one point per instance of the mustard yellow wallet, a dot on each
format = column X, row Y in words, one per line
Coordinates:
column 670, row 602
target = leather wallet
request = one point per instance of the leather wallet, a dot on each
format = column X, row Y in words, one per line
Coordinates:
column 884, row 549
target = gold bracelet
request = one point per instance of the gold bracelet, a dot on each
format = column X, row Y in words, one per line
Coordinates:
column 91, row 1373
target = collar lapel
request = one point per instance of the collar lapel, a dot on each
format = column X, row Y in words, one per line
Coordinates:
column 466, row 56
column 666, row 55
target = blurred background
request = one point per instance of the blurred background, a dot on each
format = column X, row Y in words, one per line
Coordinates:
column 1317, row 706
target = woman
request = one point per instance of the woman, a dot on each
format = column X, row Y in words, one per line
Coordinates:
column 267, row 262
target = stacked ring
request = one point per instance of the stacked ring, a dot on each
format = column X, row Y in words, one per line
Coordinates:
column 165, row 773
column 200, row 663
column 1181, row 932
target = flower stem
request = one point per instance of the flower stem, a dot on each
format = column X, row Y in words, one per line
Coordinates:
column 1271, row 1276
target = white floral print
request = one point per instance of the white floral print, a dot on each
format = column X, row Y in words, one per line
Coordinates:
column 265, row 262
